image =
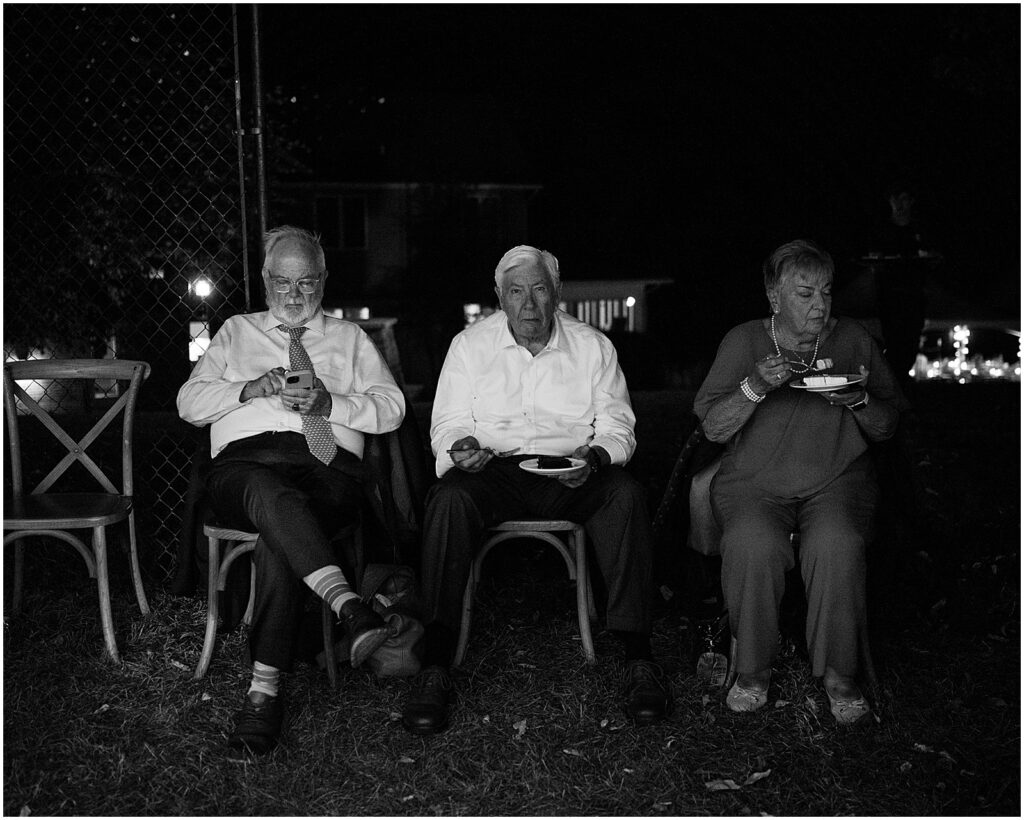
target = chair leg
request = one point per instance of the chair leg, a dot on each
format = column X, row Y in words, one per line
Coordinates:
column 330, row 658
column 99, row 546
column 584, row 602
column 247, row 617
column 467, row 614
column 19, row 575
column 730, row 678
column 211, row 607
column 140, row 592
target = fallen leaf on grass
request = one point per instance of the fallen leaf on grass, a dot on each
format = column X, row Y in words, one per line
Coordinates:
column 628, row 771
column 405, row 759
column 947, row 757
column 920, row 747
column 705, row 700
column 906, row 766
column 206, row 696
column 395, row 716
column 812, row 704
column 780, row 703
column 520, row 727
column 604, row 722
column 662, row 805
column 25, row 811
column 102, row 709
column 728, row 784
column 408, row 797
column 179, row 665
column 573, row 752
column 721, row 785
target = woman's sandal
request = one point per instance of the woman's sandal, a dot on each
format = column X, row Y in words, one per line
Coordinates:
column 741, row 699
column 848, row 712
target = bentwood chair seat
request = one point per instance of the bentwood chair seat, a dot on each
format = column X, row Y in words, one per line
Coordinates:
column 239, row 543
column 575, row 562
column 46, row 512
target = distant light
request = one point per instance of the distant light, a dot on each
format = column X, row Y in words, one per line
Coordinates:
column 380, row 101
column 293, row 99
column 202, row 287
column 186, row 52
column 630, row 301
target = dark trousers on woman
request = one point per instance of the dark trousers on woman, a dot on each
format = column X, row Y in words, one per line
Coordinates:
column 835, row 525
column 271, row 484
column 611, row 505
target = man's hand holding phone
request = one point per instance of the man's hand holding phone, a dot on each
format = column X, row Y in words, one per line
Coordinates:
column 269, row 384
column 305, row 394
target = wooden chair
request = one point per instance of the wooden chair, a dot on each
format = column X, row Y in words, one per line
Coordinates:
column 575, row 562
column 45, row 513
column 241, row 543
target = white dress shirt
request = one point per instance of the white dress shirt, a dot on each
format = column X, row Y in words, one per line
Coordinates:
column 570, row 394
column 364, row 396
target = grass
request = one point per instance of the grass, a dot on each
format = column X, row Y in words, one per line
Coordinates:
column 537, row 732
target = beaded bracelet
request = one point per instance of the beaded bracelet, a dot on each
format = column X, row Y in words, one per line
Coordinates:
column 748, row 391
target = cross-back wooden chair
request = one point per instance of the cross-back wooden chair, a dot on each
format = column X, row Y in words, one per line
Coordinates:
column 45, row 512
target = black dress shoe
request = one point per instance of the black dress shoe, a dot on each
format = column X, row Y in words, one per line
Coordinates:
column 426, row 708
column 647, row 693
column 258, row 724
column 366, row 630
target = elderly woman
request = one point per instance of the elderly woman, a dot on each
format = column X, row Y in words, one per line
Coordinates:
column 797, row 459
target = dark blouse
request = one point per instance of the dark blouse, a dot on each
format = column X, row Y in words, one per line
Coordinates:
column 795, row 442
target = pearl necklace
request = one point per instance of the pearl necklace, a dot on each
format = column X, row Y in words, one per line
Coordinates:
column 814, row 356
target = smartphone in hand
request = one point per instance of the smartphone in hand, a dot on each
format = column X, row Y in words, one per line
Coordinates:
column 298, row 379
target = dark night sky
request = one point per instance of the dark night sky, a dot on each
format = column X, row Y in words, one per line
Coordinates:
column 684, row 141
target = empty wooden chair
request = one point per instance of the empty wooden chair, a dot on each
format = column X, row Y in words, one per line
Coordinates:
column 42, row 511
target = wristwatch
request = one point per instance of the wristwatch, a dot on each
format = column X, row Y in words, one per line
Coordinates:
column 859, row 405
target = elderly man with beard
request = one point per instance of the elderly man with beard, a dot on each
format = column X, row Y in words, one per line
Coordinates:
column 287, row 459
column 533, row 380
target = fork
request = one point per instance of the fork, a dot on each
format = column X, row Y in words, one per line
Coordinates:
column 503, row 454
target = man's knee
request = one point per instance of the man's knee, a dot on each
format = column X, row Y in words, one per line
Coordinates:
column 625, row 492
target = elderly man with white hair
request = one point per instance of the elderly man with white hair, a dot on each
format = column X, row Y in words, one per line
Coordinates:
column 530, row 380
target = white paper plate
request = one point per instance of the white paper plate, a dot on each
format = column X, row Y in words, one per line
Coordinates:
column 851, row 379
column 530, row 465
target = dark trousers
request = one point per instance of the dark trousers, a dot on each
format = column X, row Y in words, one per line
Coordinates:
column 611, row 505
column 272, row 484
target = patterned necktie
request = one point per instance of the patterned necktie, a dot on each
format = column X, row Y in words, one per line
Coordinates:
column 316, row 429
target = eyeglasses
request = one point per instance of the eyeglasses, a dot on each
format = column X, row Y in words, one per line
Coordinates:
column 286, row 285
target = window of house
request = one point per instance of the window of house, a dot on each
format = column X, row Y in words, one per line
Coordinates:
column 341, row 221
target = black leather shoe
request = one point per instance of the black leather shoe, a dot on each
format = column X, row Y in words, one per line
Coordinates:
column 647, row 693
column 426, row 708
column 366, row 630
column 258, row 724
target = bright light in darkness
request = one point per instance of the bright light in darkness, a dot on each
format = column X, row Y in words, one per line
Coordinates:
column 202, row 287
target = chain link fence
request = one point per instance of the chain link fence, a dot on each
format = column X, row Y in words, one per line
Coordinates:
column 124, row 226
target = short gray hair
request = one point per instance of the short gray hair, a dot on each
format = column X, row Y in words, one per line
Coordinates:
column 800, row 254
column 288, row 233
column 520, row 252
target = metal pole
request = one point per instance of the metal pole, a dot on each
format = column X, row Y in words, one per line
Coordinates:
column 257, row 91
column 240, row 144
